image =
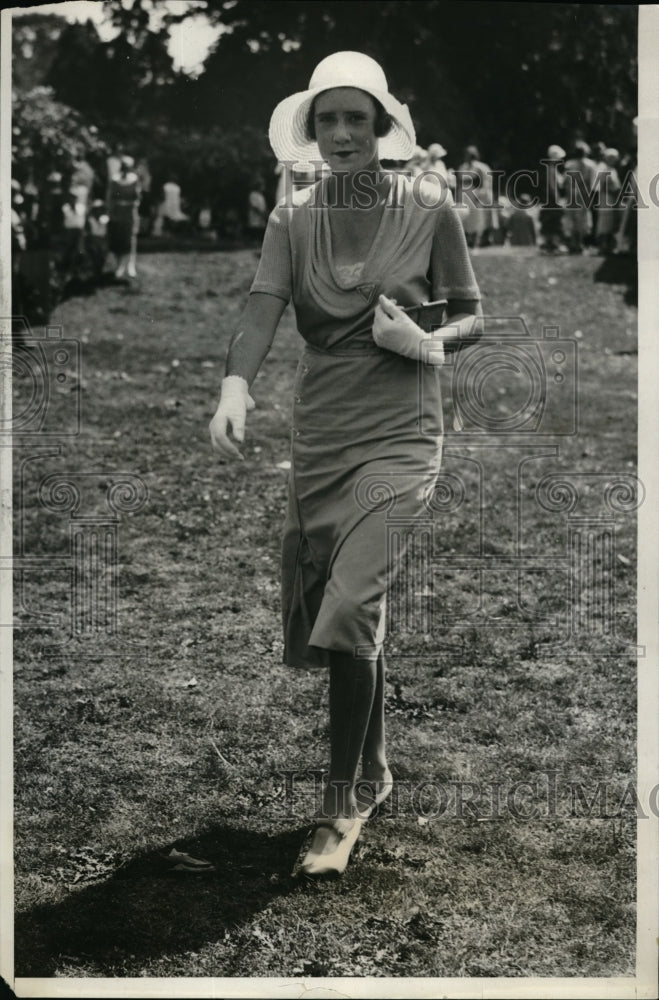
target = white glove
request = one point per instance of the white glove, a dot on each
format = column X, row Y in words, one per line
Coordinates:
column 395, row 331
column 235, row 401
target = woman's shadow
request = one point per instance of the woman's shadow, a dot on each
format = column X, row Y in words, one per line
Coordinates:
column 147, row 909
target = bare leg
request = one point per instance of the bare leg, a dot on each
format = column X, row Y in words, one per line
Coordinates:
column 132, row 258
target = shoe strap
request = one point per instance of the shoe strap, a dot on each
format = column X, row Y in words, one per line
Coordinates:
column 341, row 825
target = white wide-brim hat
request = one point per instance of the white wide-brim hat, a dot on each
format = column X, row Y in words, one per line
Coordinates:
column 287, row 131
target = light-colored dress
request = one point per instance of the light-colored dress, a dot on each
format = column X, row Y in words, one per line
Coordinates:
column 609, row 211
column 257, row 210
column 367, row 423
column 580, row 177
column 477, row 211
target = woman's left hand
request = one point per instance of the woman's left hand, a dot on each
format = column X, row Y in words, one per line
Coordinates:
column 395, row 331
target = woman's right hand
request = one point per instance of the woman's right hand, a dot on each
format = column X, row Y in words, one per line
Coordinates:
column 235, row 402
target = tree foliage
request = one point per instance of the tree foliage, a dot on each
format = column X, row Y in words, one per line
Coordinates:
column 47, row 135
column 35, row 42
column 510, row 77
column 124, row 84
column 214, row 165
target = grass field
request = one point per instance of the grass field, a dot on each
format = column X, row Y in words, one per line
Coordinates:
column 182, row 728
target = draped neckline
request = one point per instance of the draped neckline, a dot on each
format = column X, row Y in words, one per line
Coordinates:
column 359, row 274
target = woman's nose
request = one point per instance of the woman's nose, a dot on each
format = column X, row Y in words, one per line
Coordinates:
column 341, row 132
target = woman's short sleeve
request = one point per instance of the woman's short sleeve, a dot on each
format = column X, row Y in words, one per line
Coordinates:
column 274, row 273
column 450, row 264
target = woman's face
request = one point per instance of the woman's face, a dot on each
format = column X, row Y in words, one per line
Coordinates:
column 344, row 120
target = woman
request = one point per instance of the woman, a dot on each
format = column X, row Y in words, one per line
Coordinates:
column 551, row 212
column 608, row 210
column 475, row 183
column 436, row 167
column 580, row 176
column 257, row 211
column 123, row 202
column 344, row 250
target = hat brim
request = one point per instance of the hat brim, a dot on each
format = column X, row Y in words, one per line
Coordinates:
column 287, row 132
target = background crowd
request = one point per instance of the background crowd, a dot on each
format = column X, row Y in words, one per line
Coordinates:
column 114, row 149
column 83, row 225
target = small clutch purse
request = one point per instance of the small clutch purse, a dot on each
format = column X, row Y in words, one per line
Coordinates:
column 428, row 315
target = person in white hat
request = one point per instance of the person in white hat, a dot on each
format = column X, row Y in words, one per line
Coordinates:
column 609, row 212
column 417, row 162
column 580, row 178
column 551, row 211
column 436, row 169
column 475, row 193
column 351, row 251
column 123, row 203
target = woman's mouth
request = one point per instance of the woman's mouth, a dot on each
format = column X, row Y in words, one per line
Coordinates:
column 344, row 153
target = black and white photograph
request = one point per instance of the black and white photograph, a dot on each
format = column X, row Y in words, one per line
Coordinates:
column 329, row 605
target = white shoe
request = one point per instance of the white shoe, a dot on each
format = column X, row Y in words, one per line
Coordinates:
column 317, row 864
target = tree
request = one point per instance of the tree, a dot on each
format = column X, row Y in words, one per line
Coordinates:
column 35, row 39
column 47, row 135
column 125, row 84
column 511, row 77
